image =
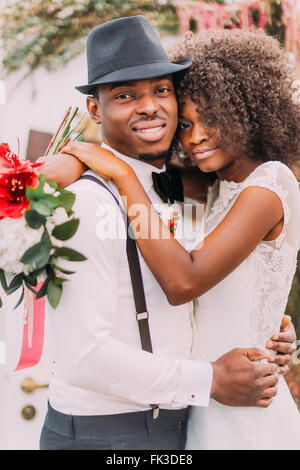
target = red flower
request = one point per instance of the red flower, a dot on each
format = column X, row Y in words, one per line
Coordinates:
column 15, row 176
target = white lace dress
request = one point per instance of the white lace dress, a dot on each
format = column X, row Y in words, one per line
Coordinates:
column 245, row 310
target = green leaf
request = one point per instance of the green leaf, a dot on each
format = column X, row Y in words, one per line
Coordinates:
column 66, row 199
column 15, row 283
column 30, row 287
column 66, row 230
column 31, row 279
column 38, row 254
column 43, row 290
column 46, row 205
column 34, row 219
column 63, row 270
column 49, row 269
column 20, row 299
column 54, row 292
column 3, row 280
column 1, row 303
column 35, row 274
column 38, row 192
column 69, row 254
column 60, row 280
column 42, row 207
column 30, row 193
column 42, row 180
column 45, row 238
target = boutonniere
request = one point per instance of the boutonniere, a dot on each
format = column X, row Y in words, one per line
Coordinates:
column 173, row 221
column 170, row 217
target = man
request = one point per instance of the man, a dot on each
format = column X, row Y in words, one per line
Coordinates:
column 105, row 389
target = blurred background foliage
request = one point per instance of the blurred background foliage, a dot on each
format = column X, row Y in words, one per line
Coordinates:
column 52, row 32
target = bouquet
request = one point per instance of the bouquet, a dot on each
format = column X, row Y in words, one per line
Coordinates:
column 36, row 218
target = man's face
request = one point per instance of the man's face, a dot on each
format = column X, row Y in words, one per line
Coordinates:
column 138, row 118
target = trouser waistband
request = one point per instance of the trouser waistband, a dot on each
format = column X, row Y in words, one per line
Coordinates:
column 122, row 423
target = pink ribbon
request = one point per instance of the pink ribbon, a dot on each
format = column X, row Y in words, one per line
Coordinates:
column 33, row 330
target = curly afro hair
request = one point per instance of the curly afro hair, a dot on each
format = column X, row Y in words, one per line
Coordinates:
column 242, row 84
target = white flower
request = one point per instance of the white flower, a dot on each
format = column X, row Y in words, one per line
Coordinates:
column 47, row 189
column 59, row 217
column 15, row 238
column 167, row 212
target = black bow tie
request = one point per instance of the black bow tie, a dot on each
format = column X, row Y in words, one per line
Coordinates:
column 168, row 185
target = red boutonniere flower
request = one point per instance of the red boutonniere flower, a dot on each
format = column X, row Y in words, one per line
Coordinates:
column 15, row 176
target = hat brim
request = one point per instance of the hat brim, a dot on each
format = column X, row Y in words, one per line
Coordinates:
column 138, row 72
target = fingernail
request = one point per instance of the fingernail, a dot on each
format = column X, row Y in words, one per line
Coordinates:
column 269, row 344
column 275, row 337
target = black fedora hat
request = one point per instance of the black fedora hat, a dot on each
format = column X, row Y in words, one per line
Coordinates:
column 126, row 49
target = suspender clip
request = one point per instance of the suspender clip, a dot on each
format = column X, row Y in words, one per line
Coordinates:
column 142, row 316
column 155, row 409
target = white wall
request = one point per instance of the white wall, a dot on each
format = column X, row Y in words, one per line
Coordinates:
column 39, row 102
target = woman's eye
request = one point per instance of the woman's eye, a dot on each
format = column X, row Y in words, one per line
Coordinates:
column 163, row 90
column 183, row 126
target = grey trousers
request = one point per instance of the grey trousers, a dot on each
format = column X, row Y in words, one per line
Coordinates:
column 129, row 431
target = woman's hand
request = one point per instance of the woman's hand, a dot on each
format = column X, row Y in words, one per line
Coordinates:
column 102, row 161
column 284, row 343
column 63, row 169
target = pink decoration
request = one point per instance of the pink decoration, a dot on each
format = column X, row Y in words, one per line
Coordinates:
column 244, row 16
column 33, row 331
column 262, row 20
column 184, row 14
column 215, row 16
column 291, row 19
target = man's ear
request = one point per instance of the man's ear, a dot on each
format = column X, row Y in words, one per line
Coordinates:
column 94, row 109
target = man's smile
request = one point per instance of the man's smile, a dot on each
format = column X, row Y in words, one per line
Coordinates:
column 150, row 131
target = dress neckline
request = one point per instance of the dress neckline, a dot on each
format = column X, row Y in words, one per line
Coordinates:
column 233, row 184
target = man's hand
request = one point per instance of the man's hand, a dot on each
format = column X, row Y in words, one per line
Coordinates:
column 284, row 343
column 238, row 381
column 62, row 168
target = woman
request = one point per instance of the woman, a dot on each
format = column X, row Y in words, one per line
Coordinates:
column 237, row 119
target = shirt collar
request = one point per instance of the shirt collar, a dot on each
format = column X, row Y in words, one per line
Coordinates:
column 142, row 170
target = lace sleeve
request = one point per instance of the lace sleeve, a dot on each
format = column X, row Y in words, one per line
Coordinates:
column 278, row 178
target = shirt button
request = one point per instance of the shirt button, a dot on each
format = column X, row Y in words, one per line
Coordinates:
column 193, row 396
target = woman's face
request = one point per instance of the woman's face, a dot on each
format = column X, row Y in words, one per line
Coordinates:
column 202, row 149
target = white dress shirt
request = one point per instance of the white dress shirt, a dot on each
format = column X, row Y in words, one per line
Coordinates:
column 99, row 365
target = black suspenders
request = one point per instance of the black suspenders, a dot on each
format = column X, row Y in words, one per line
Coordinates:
column 142, row 315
